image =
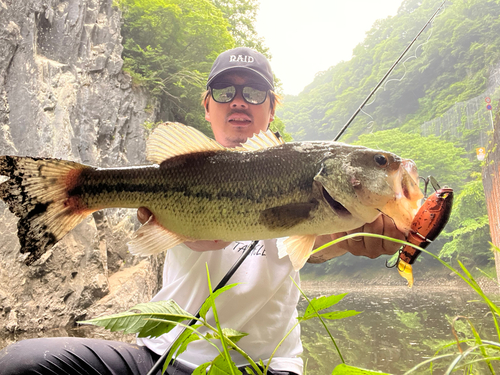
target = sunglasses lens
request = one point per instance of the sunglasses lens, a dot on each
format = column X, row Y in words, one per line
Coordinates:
column 223, row 94
column 253, row 95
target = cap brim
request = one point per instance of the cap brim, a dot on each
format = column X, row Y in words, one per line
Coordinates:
column 241, row 68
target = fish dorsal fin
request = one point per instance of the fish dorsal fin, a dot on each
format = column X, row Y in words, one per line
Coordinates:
column 261, row 141
column 172, row 139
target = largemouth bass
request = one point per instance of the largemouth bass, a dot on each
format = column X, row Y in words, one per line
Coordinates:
column 200, row 190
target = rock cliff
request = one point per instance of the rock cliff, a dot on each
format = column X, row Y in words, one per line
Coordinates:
column 63, row 94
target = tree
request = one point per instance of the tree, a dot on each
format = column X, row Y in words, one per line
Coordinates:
column 169, row 48
column 242, row 15
column 468, row 229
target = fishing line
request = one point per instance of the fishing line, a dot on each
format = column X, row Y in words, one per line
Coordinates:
column 370, row 123
column 388, row 72
column 414, row 56
column 159, row 364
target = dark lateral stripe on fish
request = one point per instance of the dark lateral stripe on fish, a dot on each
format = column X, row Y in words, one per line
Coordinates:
column 103, row 188
column 95, row 183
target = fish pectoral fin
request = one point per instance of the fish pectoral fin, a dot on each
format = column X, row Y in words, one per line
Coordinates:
column 298, row 249
column 151, row 238
column 287, row 216
column 261, row 141
column 173, row 139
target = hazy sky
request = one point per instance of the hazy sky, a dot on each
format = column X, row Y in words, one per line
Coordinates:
column 306, row 37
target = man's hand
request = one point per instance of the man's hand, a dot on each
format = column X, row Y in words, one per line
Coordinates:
column 370, row 247
column 143, row 215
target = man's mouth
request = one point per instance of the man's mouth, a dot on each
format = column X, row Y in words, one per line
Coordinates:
column 239, row 119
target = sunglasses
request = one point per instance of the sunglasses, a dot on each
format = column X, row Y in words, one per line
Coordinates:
column 224, row 92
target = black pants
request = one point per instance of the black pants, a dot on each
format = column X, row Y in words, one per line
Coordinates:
column 74, row 355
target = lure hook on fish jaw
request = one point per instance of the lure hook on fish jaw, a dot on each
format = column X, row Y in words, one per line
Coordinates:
column 432, row 181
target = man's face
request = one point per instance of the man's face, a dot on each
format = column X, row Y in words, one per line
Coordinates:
column 234, row 122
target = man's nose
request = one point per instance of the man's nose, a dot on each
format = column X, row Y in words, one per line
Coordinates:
column 238, row 101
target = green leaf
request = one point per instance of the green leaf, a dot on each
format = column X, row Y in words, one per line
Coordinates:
column 154, row 319
column 231, row 334
column 180, row 345
column 207, row 304
column 202, row 369
column 221, row 367
column 188, row 340
column 323, row 302
column 344, row 369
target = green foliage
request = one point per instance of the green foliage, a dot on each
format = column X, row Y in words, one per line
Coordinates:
column 157, row 318
column 242, row 15
column 169, row 47
column 452, row 66
column 322, row 303
column 468, row 229
column 145, row 323
column 279, row 126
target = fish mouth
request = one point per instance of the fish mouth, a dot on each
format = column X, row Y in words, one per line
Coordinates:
column 336, row 206
column 407, row 195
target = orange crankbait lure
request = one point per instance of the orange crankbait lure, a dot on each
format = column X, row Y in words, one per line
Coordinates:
column 428, row 223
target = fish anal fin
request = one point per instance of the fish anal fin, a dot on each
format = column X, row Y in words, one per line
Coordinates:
column 261, row 141
column 287, row 216
column 152, row 238
column 173, row 139
column 298, row 249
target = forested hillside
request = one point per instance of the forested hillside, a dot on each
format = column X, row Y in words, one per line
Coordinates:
column 453, row 61
column 169, row 46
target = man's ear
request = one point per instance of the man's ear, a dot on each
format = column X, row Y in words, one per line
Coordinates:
column 207, row 113
column 271, row 116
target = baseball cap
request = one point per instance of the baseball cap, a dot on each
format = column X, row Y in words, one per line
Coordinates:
column 242, row 58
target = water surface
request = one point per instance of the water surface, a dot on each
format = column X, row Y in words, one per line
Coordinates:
column 397, row 329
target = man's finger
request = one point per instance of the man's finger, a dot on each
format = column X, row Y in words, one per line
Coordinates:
column 374, row 245
column 390, row 230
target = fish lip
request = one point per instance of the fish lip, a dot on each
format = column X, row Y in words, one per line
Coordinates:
column 335, row 205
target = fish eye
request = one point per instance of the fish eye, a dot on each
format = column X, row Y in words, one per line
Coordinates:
column 381, row 160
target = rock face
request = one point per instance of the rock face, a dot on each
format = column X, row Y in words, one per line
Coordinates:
column 63, row 94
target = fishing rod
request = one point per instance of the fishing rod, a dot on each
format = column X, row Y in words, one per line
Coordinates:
column 388, row 73
column 159, row 363
column 237, row 264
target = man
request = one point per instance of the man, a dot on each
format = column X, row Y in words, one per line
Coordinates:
column 239, row 102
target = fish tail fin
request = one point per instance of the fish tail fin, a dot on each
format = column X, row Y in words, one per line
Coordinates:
column 406, row 271
column 37, row 192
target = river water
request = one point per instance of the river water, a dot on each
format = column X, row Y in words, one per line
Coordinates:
column 397, row 329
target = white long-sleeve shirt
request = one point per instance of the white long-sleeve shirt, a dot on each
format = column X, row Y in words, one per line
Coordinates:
column 264, row 305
